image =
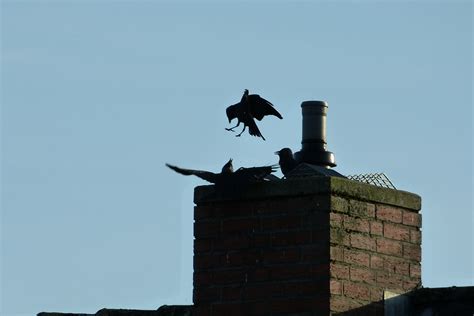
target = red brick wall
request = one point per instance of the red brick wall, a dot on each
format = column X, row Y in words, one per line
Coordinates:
column 374, row 247
column 262, row 257
column 314, row 246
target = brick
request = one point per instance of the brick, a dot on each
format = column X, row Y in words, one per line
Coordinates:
column 339, row 271
column 335, row 219
column 354, row 257
column 342, row 304
column 409, row 285
column 259, row 275
column 315, row 220
column 229, row 277
column 320, row 236
column 376, row 262
column 389, row 213
column 415, row 270
column 356, row 224
column 228, row 309
column 389, row 280
column 230, row 243
column 296, row 305
column 202, row 245
column 202, row 309
column 259, row 291
column 206, row 229
column 291, row 238
column 339, row 204
column 376, row 228
column 337, row 253
column 202, row 212
column 340, row 237
column 202, row 278
column 415, row 236
column 231, row 293
column 303, row 288
column 377, row 295
column 320, row 271
column 240, row 225
column 335, row 287
column 292, row 271
column 206, row 294
column 362, row 275
column 389, row 247
column 260, row 240
column 396, row 265
column 397, row 232
column 256, row 308
column 281, row 255
column 240, row 258
column 206, row 261
column 362, row 242
column 317, row 253
column 411, row 218
column 412, row 252
column 357, row 291
column 361, row 209
column 281, row 223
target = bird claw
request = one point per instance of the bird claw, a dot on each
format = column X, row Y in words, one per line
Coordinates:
column 230, row 130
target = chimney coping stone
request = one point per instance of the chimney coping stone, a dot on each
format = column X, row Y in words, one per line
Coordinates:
column 309, row 186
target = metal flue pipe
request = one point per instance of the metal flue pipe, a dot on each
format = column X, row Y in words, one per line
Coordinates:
column 314, row 146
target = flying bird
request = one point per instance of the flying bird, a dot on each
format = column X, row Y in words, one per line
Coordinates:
column 287, row 160
column 228, row 176
column 250, row 107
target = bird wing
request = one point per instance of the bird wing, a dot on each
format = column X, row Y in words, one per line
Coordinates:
column 232, row 111
column 254, row 173
column 261, row 107
column 205, row 175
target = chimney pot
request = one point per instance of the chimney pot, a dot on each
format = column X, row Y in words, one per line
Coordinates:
column 314, row 144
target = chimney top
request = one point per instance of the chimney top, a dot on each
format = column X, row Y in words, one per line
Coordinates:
column 314, row 147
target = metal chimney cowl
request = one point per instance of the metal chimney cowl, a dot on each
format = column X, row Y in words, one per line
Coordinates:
column 314, row 146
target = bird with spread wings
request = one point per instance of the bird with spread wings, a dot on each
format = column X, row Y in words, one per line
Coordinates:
column 228, row 176
column 250, row 107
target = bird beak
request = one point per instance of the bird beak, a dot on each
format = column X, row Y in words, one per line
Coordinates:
column 277, row 152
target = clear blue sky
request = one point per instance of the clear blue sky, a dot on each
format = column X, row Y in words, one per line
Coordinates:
column 97, row 95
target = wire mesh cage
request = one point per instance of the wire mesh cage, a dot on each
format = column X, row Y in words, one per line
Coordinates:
column 377, row 179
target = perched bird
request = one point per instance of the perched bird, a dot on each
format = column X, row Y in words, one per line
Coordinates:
column 228, row 167
column 250, row 107
column 287, row 161
column 227, row 176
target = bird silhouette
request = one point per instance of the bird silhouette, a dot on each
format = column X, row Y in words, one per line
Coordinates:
column 250, row 107
column 228, row 176
column 287, row 161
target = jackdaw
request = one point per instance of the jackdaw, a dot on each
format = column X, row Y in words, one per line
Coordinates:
column 228, row 176
column 287, row 161
column 250, row 107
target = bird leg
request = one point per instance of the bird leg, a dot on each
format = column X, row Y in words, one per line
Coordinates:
column 238, row 135
column 232, row 128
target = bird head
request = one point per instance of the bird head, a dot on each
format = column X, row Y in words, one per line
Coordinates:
column 228, row 167
column 230, row 112
column 245, row 96
column 285, row 152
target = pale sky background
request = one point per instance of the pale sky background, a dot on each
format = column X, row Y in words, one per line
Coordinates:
column 97, row 95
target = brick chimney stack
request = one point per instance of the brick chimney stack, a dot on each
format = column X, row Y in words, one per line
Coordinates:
column 304, row 246
column 315, row 243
